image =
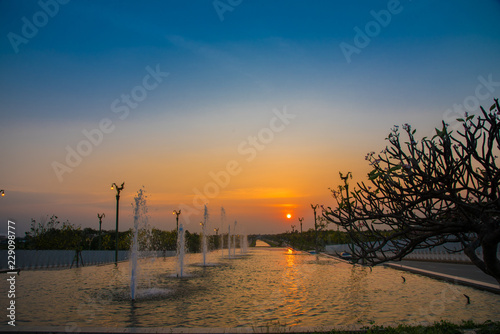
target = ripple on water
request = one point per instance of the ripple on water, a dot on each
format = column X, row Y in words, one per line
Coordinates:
column 266, row 288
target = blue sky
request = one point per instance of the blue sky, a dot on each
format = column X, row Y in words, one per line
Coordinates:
column 225, row 77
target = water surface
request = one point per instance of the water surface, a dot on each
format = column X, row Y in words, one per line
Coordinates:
column 266, row 287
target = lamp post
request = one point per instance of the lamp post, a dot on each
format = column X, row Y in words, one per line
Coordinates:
column 118, row 189
column 177, row 213
column 300, row 220
column 100, row 222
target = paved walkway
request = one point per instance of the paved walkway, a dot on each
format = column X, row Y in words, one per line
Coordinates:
column 469, row 271
column 466, row 274
column 458, row 273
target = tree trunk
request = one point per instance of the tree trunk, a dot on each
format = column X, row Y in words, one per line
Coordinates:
column 490, row 260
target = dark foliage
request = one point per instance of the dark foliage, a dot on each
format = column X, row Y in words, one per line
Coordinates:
column 428, row 193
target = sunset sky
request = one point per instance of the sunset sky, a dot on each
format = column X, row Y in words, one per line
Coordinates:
column 251, row 105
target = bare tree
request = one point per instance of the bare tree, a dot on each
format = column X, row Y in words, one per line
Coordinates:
column 428, row 193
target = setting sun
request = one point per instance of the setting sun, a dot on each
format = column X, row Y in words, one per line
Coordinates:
column 288, row 216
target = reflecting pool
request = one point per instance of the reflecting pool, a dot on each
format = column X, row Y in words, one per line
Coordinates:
column 266, row 287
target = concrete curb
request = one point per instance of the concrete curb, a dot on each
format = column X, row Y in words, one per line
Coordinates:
column 343, row 260
column 448, row 278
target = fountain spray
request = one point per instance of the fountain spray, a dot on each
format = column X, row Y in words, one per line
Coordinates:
column 222, row 220
column 204, row 237
column 181, row 244
column 229, row 241
column 234, row 238
column 140, row 210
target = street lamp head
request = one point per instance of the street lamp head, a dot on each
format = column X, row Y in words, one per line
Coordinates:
column 2, row 192
column 118, row 188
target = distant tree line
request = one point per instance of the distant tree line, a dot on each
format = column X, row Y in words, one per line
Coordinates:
column 49, row 233
column 307, row 240
column 310, row 239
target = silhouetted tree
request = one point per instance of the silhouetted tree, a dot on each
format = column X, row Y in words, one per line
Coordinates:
column 428, row 193
column 163, row 240
column 193, row 242
column 50, row 233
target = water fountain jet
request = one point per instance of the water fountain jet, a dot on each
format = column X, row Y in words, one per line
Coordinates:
column 234, row 238
column 181, row 244
column 140, row 210
column 229, row 241
column 222, row 220
column 204, row 245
